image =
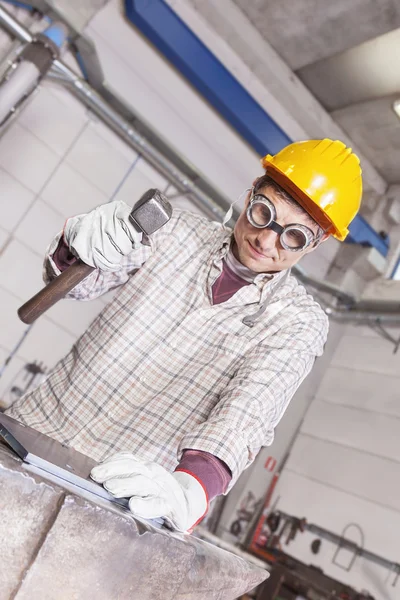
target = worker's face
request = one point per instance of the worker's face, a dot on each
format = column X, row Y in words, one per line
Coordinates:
column 260, row 249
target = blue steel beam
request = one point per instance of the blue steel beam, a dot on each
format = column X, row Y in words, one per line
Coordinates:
column 166, row 30
column 194, row 60
column 171, row 36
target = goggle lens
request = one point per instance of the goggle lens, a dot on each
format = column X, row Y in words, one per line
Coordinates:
column 261, row 214
column 294, row 238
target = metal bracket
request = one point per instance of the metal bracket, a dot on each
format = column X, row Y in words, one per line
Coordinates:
column 343, row 543
column 378, row 327
column 396, row 570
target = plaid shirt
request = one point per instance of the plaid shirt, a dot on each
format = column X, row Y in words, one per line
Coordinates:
column 161, row 369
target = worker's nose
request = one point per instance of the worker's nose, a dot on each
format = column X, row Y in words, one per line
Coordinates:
column 266, row 242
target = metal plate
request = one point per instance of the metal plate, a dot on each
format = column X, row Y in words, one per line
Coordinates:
column 52, row 457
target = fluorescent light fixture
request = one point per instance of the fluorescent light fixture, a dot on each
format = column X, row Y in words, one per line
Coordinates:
column 396, row 107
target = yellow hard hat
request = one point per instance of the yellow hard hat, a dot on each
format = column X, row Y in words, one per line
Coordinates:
column 324, row 177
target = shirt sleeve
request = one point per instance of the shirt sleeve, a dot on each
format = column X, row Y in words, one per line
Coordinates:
column 62, row 257
column 213, row 473
column 99, row 282
column 256, row 398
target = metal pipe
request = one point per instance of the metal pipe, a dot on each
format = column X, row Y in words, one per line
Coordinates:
column 324, row 286
column 13, row 27
column 21, row 81
column 361, row 317
column 84, row 92
column 358, row 550
column 345, row 543
column 358, row 315
column 33, row 62
column 88, row 95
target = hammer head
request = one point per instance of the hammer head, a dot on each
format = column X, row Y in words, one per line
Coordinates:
column 151, row 212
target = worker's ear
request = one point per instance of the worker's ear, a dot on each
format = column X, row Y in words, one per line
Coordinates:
column 325, row 237
column 248, row 196
column 314, row 246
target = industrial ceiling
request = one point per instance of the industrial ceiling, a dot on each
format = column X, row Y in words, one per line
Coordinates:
column 347, row 53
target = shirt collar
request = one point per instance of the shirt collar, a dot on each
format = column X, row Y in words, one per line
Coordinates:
column 240, row 270
column 224, row 252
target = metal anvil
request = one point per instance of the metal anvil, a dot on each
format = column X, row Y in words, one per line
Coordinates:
column 60, row 540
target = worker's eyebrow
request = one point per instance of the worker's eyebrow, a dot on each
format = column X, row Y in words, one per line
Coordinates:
column 297, row 209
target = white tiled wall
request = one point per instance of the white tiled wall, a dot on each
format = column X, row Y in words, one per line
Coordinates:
column 56, row 160
column 323, row 460
column 71, row 193
column 15, row 199
column 345, row 464
column 318, row 263
column 20, row 269
column 376, row 392
column 38, row 224
column 3, row 237
column 166, row 101
column 41, row 118
column 91, row 157
column 27, row 158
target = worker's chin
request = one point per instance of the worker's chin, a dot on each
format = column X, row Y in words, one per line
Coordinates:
column 259, row 265
column 262, row 266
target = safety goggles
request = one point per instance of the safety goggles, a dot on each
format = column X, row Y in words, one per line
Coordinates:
column 261, row 213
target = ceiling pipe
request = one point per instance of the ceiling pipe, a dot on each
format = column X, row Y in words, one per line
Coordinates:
column 14, row 27
column 342, row 542
column 88, row 95
column 358, row 315
column 324, row 286
column 348, row 313
column 28, row 68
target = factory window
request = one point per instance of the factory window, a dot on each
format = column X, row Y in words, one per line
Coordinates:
column 396, row 271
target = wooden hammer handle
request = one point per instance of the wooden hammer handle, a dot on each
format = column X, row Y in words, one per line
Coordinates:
column 53, row 292
column 150, row 213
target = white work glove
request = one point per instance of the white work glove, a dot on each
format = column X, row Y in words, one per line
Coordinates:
column 102, row 237
column 153, row 492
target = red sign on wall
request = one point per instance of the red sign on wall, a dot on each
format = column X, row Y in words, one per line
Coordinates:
column 270, row 463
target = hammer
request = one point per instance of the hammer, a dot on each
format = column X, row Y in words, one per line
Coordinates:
column 148, row 215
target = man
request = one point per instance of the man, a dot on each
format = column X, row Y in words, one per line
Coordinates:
column 184, row 375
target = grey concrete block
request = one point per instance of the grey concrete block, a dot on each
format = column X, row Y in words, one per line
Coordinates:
column 61, row 545
column 27, row 509
column 93, row 553
column 216, row 574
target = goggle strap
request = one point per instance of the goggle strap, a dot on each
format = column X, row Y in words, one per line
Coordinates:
column 229, row 214
column 275, row 227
